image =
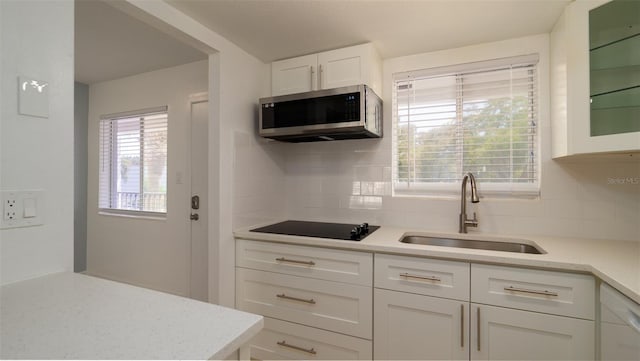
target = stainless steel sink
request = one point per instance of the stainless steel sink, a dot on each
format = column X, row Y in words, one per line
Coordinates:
column 517, row 246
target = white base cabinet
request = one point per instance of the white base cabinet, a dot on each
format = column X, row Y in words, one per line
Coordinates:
column 416, row 327
column 505, row 334
column 332, row 306
column 319, row 303
column 280, row 340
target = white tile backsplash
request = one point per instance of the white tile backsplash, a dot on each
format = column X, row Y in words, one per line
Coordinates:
column 576, row 200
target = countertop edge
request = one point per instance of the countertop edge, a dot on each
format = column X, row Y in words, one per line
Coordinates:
column 238, row 342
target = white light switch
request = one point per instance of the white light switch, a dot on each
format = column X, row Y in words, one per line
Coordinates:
column 33, row 97
column 30, row 208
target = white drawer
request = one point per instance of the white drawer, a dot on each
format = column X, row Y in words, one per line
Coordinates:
column 321, row 263
column 332, row 306
column 423, row 276
column 557, row 293
column 281, row 340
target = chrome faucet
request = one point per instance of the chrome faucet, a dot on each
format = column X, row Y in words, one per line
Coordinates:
column 464, row 221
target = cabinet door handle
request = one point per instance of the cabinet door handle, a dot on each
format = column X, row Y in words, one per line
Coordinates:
column 310, row 301
column 320, row 76
column 427, row 278
column 533, row 292
column 478, row 326
column 308, row 263
column 311, row 78
column 284, row 343
column 462, row 326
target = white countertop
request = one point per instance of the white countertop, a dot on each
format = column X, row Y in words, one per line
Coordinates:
column 73, row 316
column 614, row 262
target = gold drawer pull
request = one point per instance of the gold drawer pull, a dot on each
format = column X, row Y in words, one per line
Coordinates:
column 308, row 263
column 285, row 344
column 427, row 278
column 311, row 301
column 533, row 292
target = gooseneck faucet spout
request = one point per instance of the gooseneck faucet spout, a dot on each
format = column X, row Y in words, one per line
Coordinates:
column 464, row 221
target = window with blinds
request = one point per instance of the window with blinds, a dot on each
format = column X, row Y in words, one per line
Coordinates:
column 133, row 161
column 479, row 118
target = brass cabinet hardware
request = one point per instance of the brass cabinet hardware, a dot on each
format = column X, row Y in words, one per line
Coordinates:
column 427, row 278
column 533, row 292
column 308, row 263
column 310, row 301
column 284, row 343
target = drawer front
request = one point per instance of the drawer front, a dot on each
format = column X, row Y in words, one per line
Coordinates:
column 332, row 306
column 281, row 340
column 321, row 263
column 423, row 276
column 557, row 293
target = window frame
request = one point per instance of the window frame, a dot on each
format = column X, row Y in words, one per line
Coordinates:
column 113, row 165
column 451, row 190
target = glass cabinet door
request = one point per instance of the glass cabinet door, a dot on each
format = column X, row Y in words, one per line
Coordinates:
column 614, row 44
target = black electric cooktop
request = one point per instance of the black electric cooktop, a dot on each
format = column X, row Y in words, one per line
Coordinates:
column 342, row 231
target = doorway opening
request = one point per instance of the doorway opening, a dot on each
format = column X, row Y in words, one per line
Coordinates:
column 122, row 65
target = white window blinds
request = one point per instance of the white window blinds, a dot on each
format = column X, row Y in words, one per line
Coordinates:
column 479, row 118
column 133, row 161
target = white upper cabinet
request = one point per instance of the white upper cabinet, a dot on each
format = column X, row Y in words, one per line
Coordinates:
column 595, row 78
column 294, row 75
column 354, row 65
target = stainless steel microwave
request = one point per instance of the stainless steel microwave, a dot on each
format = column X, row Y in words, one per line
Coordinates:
column 352, row 112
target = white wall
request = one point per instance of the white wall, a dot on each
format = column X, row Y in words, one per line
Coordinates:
column 236, row 81
column 37, row 41
column 151, row 253
column 351, row 180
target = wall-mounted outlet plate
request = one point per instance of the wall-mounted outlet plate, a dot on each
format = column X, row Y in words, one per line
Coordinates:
column 23, row 208
column 10, row 206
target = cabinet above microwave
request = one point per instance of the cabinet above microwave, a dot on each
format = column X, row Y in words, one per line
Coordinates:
column 349, row 66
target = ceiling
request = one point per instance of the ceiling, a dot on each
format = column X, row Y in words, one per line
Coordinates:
column 110, row 44
column 279, row 29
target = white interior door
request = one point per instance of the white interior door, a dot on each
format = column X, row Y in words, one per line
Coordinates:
column 199, row 196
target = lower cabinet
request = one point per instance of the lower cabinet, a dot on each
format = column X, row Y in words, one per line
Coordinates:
column 417, row 309
column 415, row 327
column 281, row 340
column 317, row 303
column 499, row 333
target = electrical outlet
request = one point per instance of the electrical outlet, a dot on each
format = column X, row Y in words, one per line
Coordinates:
column 10, row 208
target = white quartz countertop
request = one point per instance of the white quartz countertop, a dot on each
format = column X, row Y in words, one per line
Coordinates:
column 74, row 316
column 614, row 262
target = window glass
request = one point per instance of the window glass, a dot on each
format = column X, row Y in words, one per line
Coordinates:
column 133, row 162
column 481, row 120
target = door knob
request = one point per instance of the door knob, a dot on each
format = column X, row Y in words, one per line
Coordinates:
column 195, row 217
